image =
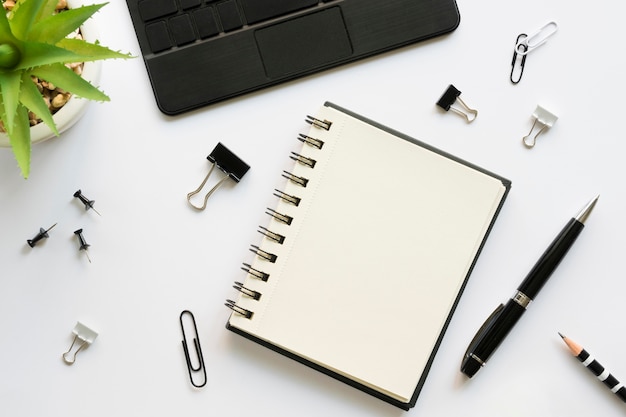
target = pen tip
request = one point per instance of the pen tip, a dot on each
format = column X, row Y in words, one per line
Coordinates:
column 560, row 334
column 586, row 211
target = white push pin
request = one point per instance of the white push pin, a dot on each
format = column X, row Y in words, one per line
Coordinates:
column 543, row 120
column 86, row 337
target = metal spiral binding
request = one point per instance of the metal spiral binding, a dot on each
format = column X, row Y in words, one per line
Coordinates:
column 303, row 160
column 278, row 238
column 288, row 198
column 311, row 141
column 270, row 257
column 247, row 291
column 239, row 310
column 320, row 124
column 263, row 276
column 279, row 216
column 301, row 181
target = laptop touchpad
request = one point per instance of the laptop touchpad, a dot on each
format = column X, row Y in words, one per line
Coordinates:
column 303, row 43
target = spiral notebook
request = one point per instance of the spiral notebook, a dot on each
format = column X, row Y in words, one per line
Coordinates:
column 365, row 254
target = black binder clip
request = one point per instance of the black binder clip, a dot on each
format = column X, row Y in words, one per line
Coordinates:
column 451, row 96
column 197, row 365
column 228, row 163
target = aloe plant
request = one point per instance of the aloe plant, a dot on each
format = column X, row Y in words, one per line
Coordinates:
column 35, row 42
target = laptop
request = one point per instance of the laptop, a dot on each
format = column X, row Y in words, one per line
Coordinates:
column 201, row 52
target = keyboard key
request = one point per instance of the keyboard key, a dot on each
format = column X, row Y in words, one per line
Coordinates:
column 256, row 10
column 152, row 9
column 182, row 29
column 158, row 36
column 229, row 15
column 205, row 22
column 189, row 4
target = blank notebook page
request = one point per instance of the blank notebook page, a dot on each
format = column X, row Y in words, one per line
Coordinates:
column 376, row 255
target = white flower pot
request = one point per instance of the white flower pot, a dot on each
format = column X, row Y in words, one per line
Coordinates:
column 73, row 110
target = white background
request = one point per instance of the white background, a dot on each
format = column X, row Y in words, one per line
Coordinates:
column 154, row 256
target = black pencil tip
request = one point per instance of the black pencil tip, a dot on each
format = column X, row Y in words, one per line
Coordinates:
column 562, row 337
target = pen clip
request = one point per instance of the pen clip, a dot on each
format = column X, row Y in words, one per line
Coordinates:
column 483, row 329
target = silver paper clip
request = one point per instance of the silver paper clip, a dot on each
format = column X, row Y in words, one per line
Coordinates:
column 524, row 44
column 543, row 120
column 85, row 335
column 198, row 364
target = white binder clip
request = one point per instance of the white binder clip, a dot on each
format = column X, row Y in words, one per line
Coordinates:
column 543, row 120
column 85, row 335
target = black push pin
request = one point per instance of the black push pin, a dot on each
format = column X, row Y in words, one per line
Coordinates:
column 88, row 203
column 83, row 244
column 43, row 234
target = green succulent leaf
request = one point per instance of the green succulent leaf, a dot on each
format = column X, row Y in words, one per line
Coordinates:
column 33, row 100
column 25, row 14
column 5, row 29
column 38, row 54
column 20, row 140
column 9, row 56
column 90, row 51
column 10, row 84
column 10, row 52
column 34, row 42
column 56, row 27
column 49, row 8
column 68, row 80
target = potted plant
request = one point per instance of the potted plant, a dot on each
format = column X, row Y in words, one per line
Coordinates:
column 35, row 44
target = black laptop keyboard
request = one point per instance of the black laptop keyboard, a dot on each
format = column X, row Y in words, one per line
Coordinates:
column 170, row 23
column 201, row 52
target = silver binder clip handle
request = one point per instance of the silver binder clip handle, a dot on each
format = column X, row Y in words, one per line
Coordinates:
column 526, row 44
column 208, row 194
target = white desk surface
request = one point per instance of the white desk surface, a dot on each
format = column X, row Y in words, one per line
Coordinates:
column 154, row 256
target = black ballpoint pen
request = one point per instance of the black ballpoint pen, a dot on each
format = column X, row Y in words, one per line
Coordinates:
column 501, row 321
